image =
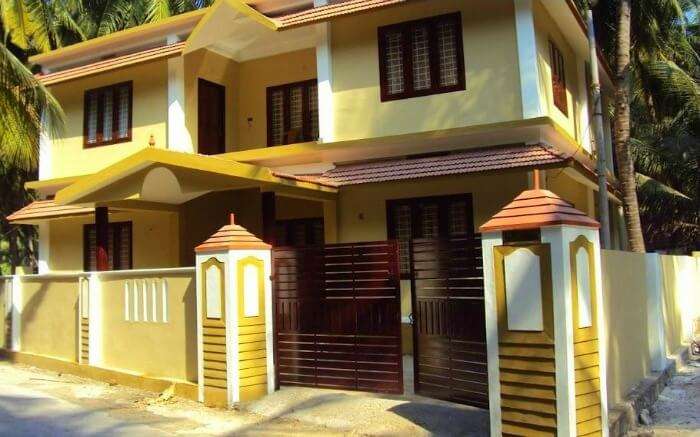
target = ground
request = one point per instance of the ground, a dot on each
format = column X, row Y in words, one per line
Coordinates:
column 677, row 412
column 38, row 402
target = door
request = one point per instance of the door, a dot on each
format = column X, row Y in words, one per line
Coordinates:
column 211, row 125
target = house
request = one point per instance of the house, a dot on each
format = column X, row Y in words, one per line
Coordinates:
column 316, row 123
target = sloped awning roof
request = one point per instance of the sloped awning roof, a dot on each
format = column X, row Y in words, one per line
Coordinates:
column 471, row 161
column 45, row 210
column 330, row 11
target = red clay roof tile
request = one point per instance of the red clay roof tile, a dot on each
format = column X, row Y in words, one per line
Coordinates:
column 231, row 236
column 47, row 209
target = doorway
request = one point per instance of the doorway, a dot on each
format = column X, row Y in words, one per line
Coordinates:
column 211, row 125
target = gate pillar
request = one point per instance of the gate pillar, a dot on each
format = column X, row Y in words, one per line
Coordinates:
column 234, row 329
column 544, row 319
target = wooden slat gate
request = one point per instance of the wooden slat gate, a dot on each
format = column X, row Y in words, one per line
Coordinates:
column 337, row 316
column 449, row 328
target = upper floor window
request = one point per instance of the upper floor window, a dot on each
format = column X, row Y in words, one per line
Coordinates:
column 292, row 113
column 422, row 57
column 558, row 78
column 108, row 115
column 118, row 247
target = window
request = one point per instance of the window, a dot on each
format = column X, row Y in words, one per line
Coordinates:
column 558, row 78
column 118, row 247
column 422, row 57
column 292, row 113
column 429, row 217
column 299, row 232
column 108, row 115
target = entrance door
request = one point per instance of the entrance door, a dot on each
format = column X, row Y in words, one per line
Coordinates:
column 442, row 258
column 211, row 125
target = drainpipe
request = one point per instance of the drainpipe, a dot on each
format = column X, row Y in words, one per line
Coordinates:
column 601, row 167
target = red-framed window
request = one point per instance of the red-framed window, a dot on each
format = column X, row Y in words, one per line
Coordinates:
column 119, row 247
column 108, row 115
column 422, row 57
column 558, row 78
column 299, row 232
column 292, row 113
column 436, row 217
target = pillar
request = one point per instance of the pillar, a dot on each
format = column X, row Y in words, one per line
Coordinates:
column 544, row 319
column 269, row 217
column 234, row 297
column 102, row 238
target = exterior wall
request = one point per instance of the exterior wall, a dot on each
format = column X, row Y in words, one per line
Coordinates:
column 493, row 87
column 569, row 189
column 155, row 240
column 681, row 296
column 5, row 294
column 547, row 30
column 49, row 320
column 287, row 208
column 150, row 109
column 162, row 349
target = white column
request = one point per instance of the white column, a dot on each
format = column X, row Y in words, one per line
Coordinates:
column 16, row 313
column 488, row 242
column 43, row 256
column 179, row 138
column 45, row 149
column 584, row 115
column 95, row 320
column 324, row 73
column 655, row 322
column 527, row 59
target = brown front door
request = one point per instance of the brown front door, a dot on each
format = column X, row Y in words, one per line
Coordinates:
column 212, row 116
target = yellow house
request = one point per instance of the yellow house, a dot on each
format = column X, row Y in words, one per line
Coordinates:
column 315, row 122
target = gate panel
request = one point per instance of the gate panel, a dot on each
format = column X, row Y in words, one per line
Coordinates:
column 449, row 330
column 338, row 316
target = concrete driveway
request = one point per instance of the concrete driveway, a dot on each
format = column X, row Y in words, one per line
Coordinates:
column 35, row 402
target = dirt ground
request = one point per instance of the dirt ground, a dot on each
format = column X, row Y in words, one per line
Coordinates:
column 677, row 412
column 37, row 402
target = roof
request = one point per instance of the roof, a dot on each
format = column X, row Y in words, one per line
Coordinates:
column 153, row 54
column 231, row 236
column 332, row 10
column 47, row 209
column 537, row 208
column 470, row 161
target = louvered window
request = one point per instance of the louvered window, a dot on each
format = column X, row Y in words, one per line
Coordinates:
column 558, row 78
column 119, row 246
column 299, row 232
column 421, row 57
column 108, row 115
column 292, row 113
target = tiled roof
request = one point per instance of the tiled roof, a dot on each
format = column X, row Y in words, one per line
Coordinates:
column 47, row 209
column 332, row 10
column 112, row 63
column 471, row 161
column 536, row 208
column 231, row 236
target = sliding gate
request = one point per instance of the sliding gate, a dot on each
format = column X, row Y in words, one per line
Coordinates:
column 449, row 328
column 337, row 316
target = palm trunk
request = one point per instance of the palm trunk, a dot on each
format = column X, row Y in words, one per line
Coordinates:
column 626, row 172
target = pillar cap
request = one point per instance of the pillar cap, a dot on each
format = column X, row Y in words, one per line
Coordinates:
column 537, row 208
column 231, row 237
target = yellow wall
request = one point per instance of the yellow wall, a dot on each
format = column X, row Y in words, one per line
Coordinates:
column 49, row 324
column 569, row 189
column 287, row 208
column 492, row 78
column 681, row 292
column 625, row 303
column 155, row 242
column 155, row 349
column 547, row 30
column 150, row 110
column 3, row 312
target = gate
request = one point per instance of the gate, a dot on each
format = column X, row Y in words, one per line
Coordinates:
column 337, row 316
column 449, row 330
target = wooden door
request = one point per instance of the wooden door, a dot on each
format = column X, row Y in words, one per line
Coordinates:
column 211, row 126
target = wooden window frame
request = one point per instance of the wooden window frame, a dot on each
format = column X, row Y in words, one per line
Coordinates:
column 558, row 68
column 443, row 215
column 305, row 110
column 308, row 222
column 115, row 115
column 405, row 29
column 117, row 244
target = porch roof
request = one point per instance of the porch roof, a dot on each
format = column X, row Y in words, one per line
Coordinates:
column 168, row 177
column 41, row 210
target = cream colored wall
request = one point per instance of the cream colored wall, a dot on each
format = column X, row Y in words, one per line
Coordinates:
column 492, row 79
column 150, row 110
column 547, row 30
column 624, row 303
column 681, row 292
column 49, row 324
column 569, row 189
column 255, row 77
column 3, row 312
column 215, row 68
column 155, row 349
column 155, row 240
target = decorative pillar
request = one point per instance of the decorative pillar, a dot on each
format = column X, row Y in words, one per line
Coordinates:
column 234, row 295
column 544, row 317
column 101, row 238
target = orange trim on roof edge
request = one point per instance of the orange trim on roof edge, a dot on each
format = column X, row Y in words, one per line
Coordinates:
column 47, row 209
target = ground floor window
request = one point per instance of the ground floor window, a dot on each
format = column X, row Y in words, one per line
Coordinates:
column 119, row 246
column 427, row 217
column 299, row 232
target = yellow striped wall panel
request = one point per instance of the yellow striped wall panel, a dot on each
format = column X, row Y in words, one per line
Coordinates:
column 252, row 340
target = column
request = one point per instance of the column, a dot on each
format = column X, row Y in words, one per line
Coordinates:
column 527, row 58
column 101, row 238
column 269, row 217
column 179, row 138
